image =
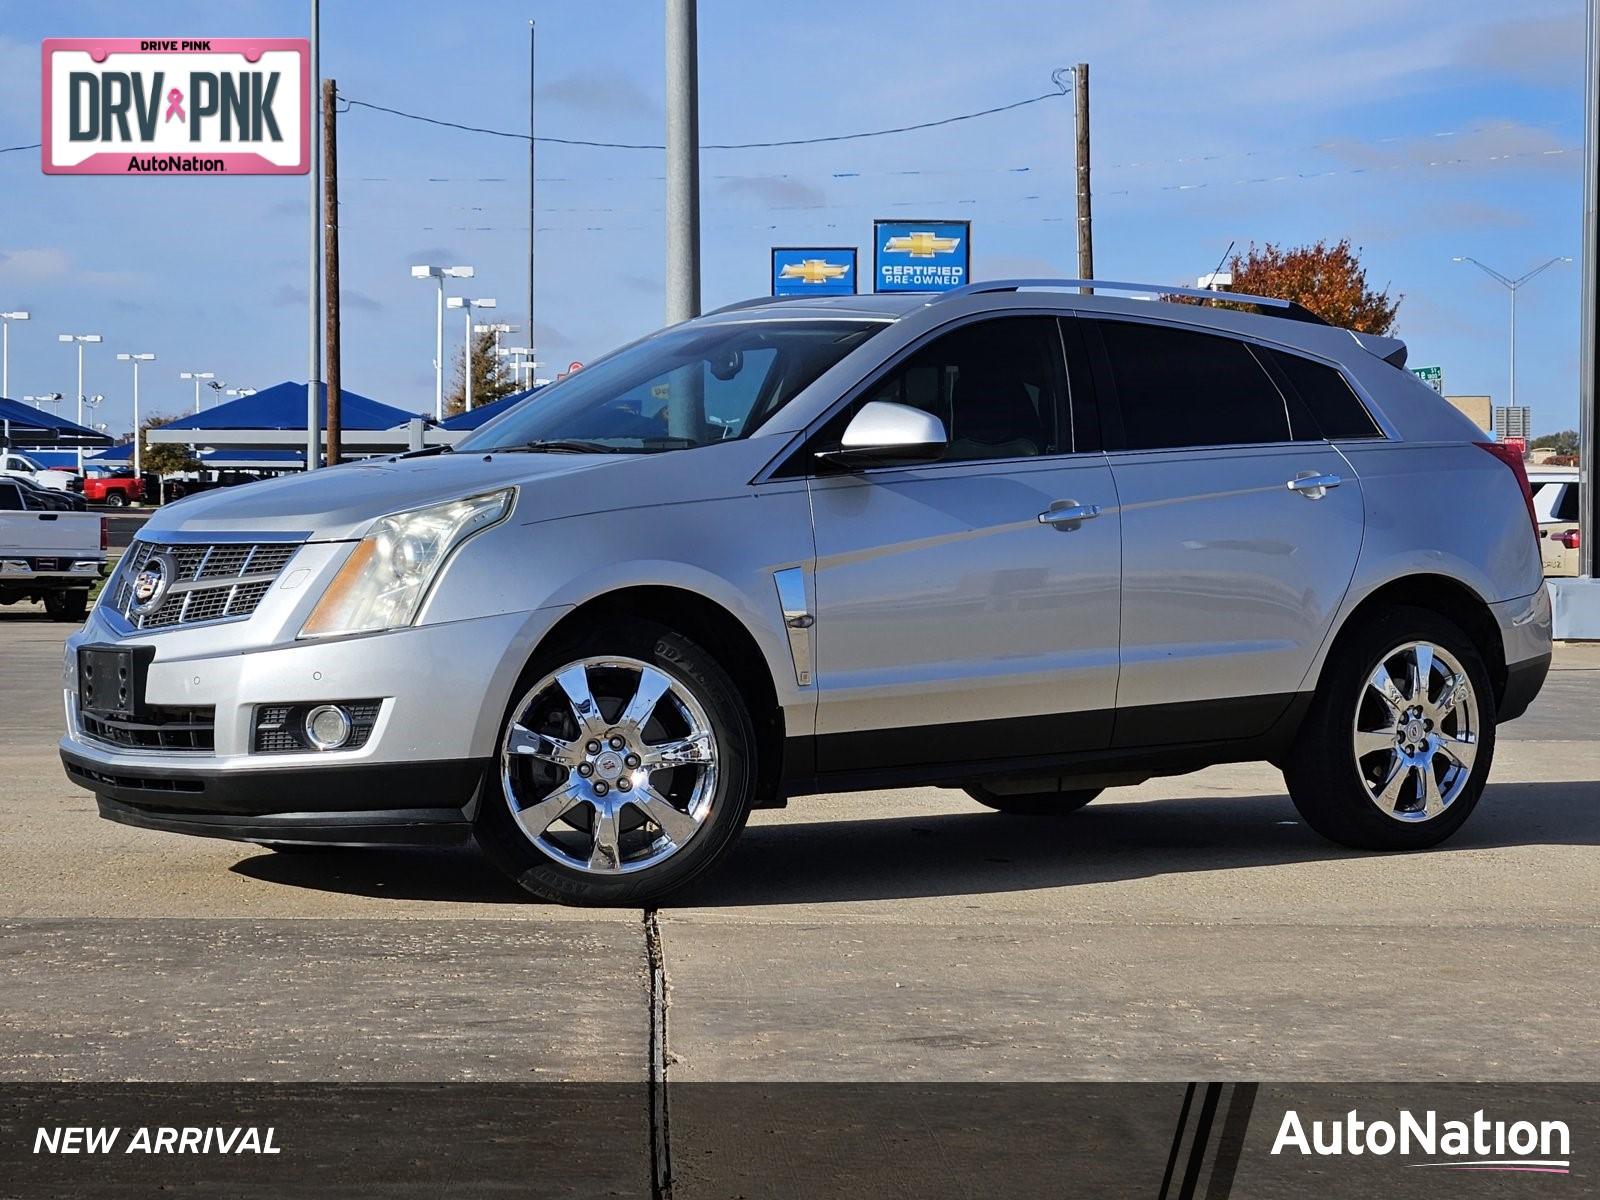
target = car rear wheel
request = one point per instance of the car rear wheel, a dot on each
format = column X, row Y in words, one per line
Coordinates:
column 1032, row 804
column 1396, row 749
column 115, row 499
column 626, row 769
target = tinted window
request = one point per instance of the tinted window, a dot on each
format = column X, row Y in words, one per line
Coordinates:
column 10, row 501
column 1567, row 507
column 996, row 385
column 1337, row 410
column 1178, row 388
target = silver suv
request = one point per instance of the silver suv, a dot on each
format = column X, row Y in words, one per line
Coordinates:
column 1014, row 539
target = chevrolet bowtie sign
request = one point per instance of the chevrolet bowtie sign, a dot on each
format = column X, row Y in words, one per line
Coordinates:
column 921, row 256
column 176, row 106
column 813, row 270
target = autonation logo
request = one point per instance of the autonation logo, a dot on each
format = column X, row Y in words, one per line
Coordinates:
column 1478, row 1144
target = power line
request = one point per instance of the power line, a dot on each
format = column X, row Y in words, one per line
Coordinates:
column 807, row 141
column 9, row 149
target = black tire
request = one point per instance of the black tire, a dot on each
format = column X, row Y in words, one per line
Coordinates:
column 688, row 665
column 115, row 499
column 67, row 606
column 1032, row 804
column 1322, row 772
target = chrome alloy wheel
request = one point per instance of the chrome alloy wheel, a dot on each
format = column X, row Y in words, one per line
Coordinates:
column 609, row 765
column 1416, row 732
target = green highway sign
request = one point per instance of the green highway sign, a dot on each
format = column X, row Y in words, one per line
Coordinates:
column 1432, row 376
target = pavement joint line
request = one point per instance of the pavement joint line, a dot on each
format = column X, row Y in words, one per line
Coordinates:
column 660, row 1125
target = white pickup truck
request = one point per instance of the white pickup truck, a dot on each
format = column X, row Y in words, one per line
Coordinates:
column 47, row 553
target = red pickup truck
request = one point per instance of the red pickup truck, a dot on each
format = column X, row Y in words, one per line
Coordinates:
column 115, row 488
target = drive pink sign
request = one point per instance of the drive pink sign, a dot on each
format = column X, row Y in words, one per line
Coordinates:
column 171, row 106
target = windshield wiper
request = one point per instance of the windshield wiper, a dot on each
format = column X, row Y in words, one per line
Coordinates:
column 560, row 446
column 427, row 450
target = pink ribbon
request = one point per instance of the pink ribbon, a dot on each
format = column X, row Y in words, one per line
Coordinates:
column 175, row 106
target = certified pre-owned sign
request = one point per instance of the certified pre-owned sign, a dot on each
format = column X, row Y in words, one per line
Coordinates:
column 170, row 106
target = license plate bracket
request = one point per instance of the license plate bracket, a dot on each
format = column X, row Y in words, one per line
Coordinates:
column 111, row 679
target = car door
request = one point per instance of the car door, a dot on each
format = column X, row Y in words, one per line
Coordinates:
column 1238, row 541
column 953, row 624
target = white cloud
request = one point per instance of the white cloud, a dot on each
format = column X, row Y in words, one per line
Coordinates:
column 50, row 264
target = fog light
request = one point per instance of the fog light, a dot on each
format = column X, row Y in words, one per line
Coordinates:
column 327, row 727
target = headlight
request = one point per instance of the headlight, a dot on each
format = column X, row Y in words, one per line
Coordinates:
column 383, row 583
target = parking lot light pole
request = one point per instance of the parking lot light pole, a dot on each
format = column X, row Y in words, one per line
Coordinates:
column 439, row 275
column 5, row 348
column 197, row 376
column 136, row 359
column 496, row 328
column 82, row 339
column 467, row 306
column 1512, row 285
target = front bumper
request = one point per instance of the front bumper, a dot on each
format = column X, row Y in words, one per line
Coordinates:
column 442, row 689
column 427, row 804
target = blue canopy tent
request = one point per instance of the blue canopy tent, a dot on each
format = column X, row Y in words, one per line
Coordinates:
column 25, row 425
column 250, row 460
column 484, row 413
column 283, row 406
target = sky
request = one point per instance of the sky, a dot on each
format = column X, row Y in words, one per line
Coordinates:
column 1419, row 130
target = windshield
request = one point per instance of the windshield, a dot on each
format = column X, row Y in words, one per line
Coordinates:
column 679, row 389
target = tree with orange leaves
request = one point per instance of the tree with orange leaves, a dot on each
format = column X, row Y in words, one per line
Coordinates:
column 1329, row 280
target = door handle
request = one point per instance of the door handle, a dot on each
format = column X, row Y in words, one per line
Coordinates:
column 1068, row 514
column 1313, row 486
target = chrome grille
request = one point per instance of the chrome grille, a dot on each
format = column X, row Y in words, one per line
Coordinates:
column 215, row 582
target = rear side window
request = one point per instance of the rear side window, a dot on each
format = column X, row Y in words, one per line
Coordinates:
column 1337, row 411
column 1566, row 508
column 1179, row 388
column 10, row 500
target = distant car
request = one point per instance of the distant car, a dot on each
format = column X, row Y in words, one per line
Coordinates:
column 114, row 488
column 58, row 479
column 1555, row 503
column 49, row 499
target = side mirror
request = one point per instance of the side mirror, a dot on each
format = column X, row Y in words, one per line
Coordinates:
column 884, row 433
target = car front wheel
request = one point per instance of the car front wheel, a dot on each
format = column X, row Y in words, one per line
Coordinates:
column 626, row 769
column 1397, row 746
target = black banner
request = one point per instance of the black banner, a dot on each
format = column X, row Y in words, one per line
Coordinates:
column 927, row 1141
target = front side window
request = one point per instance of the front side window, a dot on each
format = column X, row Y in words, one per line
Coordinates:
column 996, row 385
column 677, row 390
column 1177, row 387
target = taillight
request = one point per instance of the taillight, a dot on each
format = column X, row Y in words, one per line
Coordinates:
column 1569, row 539
column 105, row 534
column 1512, row 458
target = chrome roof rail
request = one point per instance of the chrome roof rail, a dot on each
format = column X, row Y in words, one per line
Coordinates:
column 1272, row 306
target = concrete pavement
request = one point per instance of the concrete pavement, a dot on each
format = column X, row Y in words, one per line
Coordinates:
column 1187, row 927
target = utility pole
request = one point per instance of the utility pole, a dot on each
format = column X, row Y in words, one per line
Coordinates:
column 314, row 260
column 1080, row 97
column 330, row 249
column 532, row 144
column 683, row 163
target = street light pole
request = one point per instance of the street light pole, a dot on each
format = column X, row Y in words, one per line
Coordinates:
column 439, row 274
column 5, row 348
column 138, row 435
column 1513, row 286
column 82, row 339
column 197, row 376
column 467, row 306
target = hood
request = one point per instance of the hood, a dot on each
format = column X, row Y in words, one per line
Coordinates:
column 340, row 503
